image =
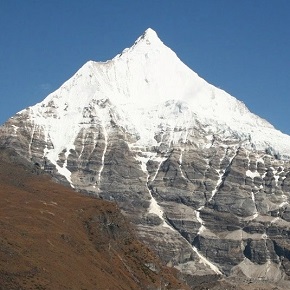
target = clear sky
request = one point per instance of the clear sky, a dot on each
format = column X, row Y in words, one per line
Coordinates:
column 241, row 46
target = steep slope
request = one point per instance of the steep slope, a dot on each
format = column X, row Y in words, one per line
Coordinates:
column 53, row 238
column 205, row 181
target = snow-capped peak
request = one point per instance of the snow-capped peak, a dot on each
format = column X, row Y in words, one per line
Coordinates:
column 149, row 32
column 145, row 44
column 150, row 37
column 142, row 80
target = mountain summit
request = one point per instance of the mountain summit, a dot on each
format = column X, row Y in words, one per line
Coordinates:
column 146, row 77
column 203, row 179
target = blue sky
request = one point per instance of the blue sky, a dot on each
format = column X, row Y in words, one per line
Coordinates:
column 241, row 46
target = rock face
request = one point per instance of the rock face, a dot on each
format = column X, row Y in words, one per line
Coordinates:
column 205, row 181
column 54, row 238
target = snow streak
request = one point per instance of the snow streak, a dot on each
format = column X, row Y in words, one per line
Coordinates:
column 31, row 140
column 180, row 163
column 105, row 133
column 206, row 262
column 222, row 172
column 154, row 207
column 160, row 160
column 199, row 219
column 256, row 213
column 83, row 144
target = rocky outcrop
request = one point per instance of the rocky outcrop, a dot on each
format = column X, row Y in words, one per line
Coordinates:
column 54, row 238
column 204, row 207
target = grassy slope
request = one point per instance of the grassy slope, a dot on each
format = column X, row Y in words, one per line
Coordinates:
column 54, row 238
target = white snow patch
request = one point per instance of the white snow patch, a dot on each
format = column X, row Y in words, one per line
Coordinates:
column 221, row 174
column 275, row 220
column 15, row 128
column 63, row 170
column 261, row 160
column 104, row 153
column 220, row 179
column 31, row 140
column 206, row 262
column 197, row 212
column 201, row 230
column 283, row 204
column 255, row 215
column 264, row 174
column 251, row 174
column 185, row 135
column 180, row 164
column 83, row 144
column 154, row 207
column 160, row 160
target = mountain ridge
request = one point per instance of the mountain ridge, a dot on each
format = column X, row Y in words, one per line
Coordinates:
column 205, row 181
column 148, row 75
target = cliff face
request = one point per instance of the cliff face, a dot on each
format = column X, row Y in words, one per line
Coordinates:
column 205, row 182
column 206, row 204
column 54, row 238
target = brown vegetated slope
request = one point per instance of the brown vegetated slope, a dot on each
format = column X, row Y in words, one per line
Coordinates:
column 54, row 238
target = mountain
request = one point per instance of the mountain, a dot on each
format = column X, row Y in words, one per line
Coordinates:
column 205, row 181
column 53, row 238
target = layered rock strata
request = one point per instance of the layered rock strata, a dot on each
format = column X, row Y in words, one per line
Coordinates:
column 205, row 181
